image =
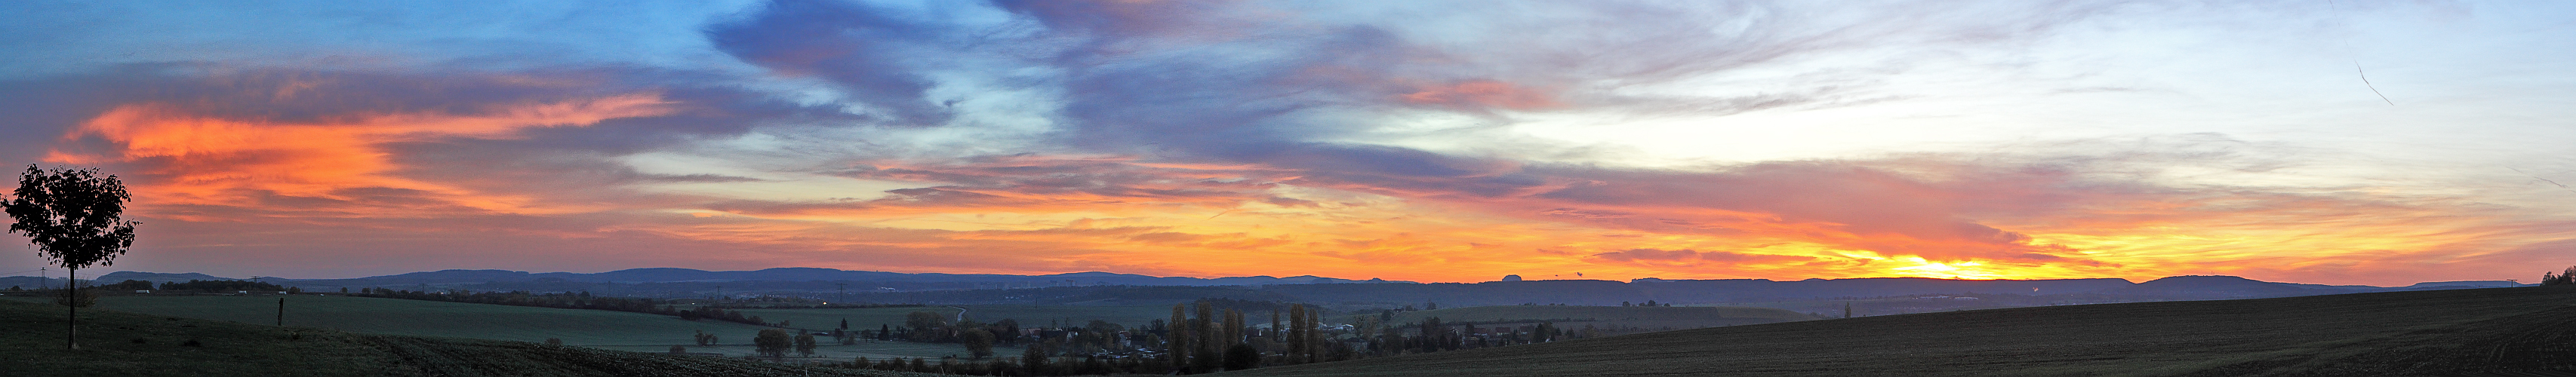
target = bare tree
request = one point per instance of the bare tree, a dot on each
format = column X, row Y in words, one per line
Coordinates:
column 74, row 218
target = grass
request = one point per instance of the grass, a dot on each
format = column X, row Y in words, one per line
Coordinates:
column 860, row 318
column 1028, row 316
column 440, row 319
column 2501, row 330
column 132, row 344
column 1656, row 317
column 586, row 328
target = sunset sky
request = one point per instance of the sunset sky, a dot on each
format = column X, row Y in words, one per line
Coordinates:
column 1407, row 140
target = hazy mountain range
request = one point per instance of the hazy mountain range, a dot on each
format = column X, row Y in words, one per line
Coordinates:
column 878, row 286
column 680, row 275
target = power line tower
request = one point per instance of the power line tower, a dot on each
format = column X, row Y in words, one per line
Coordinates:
column 845, row 292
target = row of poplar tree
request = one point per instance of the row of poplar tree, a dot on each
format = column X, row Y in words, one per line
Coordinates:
column 1214, row 341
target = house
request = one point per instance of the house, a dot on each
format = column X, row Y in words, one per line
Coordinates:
column 143, row 291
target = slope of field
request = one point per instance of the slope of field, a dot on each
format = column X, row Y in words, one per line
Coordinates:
column 588, row 328
column 1655, row 317
column 2500, row 330
column 130, row 344
column 860, row 318
column 432, row 318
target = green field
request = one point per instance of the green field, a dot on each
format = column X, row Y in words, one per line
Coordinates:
column 587, row 328
column 1646, row 317
column 1028, row 316
column 130, row 344
column 2500, row 331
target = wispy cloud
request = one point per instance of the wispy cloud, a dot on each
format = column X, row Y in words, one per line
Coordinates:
column 1627, row 139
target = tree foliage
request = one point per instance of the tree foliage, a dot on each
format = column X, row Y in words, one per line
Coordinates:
column 76, row 298
column 978, row 342
column 75, row 218
column 128, row 285
column 2563, row 278
column 772, row 342
column 1242, row 356
column 220, row 286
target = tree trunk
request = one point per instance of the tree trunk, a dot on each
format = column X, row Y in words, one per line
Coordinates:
column 71, row 322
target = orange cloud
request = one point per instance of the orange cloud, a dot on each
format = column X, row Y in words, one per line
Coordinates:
column 1070, row 213
column 191, row 159
column 1481, row 93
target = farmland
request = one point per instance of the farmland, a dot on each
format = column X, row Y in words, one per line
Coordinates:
column 1608, row 317
column 131, row 344
column 870, row 318
column 2500, row 330
column 586, row 328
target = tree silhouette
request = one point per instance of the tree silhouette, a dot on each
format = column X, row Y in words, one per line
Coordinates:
column 772, row 342
column 73, row 216
column 1035, row 360
column 1242, row 356
column 978, row 342
column 1177, row 333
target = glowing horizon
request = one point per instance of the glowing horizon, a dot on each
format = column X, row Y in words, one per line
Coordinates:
column 1418, row 141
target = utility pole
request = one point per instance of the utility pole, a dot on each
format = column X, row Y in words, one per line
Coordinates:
column 281, row 311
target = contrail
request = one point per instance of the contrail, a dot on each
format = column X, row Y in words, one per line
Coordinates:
column 2552, row 183
column 2365, row 82
column 2356, row 62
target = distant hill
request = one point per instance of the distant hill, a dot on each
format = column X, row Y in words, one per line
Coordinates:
column 2499, row 331
column 682, row 275
column 156, row 278
column 31, row 282
column 2458, row 284
column 1119, row 289
column 2231, row 287
column 1608, row 293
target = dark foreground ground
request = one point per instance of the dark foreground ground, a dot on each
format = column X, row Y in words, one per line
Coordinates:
column 2501, row 331
column 127, row 344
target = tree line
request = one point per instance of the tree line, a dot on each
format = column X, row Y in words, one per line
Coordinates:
column 216, row 286
column 1199, row 337
column 572, row 300
column 558, row 300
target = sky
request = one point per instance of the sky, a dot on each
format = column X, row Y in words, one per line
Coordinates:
column 2331, row 142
